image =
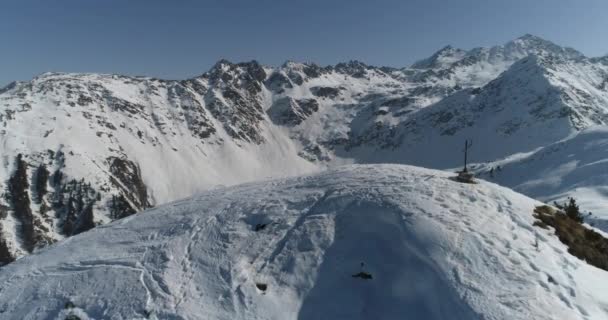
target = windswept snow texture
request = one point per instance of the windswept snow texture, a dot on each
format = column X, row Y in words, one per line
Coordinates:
column 436, row 249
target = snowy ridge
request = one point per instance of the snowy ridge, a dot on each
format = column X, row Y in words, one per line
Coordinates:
column 574, row 166
column 95, row 148
column 435, row 249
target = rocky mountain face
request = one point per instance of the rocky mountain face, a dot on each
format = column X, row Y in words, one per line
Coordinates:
column 80, row 150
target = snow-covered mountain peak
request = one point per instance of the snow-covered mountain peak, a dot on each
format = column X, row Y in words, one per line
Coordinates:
column 236, row 73
column 441, row 59
column 521, row 47
column 530, row 44
column 297, row 66
column 476, row 67
column 356, row 242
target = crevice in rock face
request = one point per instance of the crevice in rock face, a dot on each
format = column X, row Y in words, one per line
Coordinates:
column 126, row 176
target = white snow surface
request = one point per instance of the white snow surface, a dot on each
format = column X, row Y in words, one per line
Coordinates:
column 573, row 167
column 436, row 249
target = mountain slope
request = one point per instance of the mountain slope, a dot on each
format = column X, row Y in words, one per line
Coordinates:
column 537, row 101
column 287, row 249
column 573, row 167
column 102, row 147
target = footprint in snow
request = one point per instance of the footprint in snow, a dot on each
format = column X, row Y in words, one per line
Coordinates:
column 534, row 267
column 582, row 310
column 565, row 300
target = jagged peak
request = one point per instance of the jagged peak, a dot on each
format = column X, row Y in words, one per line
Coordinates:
column 353, row 63
column 531, row 37
column 221, row 68
column 251, row 63
column 10, row 86
column 443, row 57
column 511, row 51
column 221, row 64
column 49, row 75
column 290, row 64
column 531, row 44
column 354, row 68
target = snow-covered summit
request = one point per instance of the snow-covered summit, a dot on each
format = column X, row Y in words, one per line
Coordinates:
column 441, row 59
column 476, row 67
column 431, row 248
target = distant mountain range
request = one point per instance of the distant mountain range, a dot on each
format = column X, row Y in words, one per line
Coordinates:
column 81, row 150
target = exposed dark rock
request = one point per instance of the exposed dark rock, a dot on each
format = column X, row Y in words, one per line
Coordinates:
column 196, row 85
column 241, row 117
column 356, row 69
column 118, row 104
column 277, row 82
column 84, row 100
column 287, row 111
column 74, row 206
column 126, row 176
column 120, row 207
column 20, row 201
column 260, row 227
column 326, row 92
column 255, row 70
column 57, row 177
column 41, row 178
column 194, row 113
column 308, row 106
column 72, row 201
column 261, row 286
column 312, row 70
column 314, row 152
column 85, row 221
column 363, row 275
column 247, row 75
column 383, row 135
column 400, row 102
column 70, row 217
column 582, row 242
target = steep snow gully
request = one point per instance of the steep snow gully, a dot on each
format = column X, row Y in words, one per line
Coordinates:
column 288, row 249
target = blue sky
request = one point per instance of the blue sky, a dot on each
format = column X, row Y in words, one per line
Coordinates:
column 181, row 38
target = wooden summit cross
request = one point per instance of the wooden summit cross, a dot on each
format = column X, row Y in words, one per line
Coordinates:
column 467, row 145
column 464, row 175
